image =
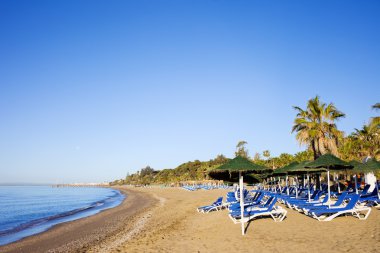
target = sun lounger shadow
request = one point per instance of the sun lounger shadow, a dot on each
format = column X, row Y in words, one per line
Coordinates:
column 259, row 218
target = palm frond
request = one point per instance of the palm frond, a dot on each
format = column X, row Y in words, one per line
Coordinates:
column 376, row 106
column 316, row 126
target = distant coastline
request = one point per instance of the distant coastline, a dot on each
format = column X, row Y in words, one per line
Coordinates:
column 23, row 184
column 51, row 184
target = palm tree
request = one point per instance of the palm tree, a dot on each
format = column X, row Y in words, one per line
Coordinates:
column 241, row 149
column 351, row 148
column 266, row 153
column 368, row 140
column 375, row 122
column 316, row 127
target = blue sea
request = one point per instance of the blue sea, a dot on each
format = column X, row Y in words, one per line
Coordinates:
column 28, row 210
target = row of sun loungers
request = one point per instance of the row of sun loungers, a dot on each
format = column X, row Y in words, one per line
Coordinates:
column 262, row 202
column 256, row 205
column 204, row 187
column 346, row 203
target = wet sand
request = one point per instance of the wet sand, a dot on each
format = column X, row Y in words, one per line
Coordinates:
column 165, row 220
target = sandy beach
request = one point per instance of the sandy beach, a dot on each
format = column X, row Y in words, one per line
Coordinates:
column 175, row 226
column 165, row 220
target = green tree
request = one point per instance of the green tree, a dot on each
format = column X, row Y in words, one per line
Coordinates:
column 146, row 171
column 257, row 157
column 315, row 126
column 283, row 159
column 241, row 149
column 368, row 141
column 304, row 155
column 362, row 142
column 220, row 159
column 375, row 121
column 350, row 148
column 266, row 153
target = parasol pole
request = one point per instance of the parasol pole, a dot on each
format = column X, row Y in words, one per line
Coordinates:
column 356, row 184
column 304, row 181
column 377, row 186
column 287, row 188
column 336, row 178
column 328, row 184
column 241, row 202
column 308, row 186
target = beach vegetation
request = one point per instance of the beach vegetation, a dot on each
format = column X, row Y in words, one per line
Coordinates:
column 241, row 150
column 363, row 142
column 375, row 121
column 316, row 127
column 256, row 157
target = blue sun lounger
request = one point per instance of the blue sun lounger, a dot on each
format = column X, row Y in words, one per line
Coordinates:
column 257, row 201
column 374, row 193
column 276, row 212
column 300, row 207
column 338, row 204
column 374, row 201
column 328, row 214
column 217, row 205
column 260, row 204
column 371, row 199
column 294, row 202
column 233, row 197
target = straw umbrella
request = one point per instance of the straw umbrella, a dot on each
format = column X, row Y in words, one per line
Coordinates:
column 328, row 162
column 238, row 166
column 302, row 169
column 370, row 166
column 374, row 166
column 284, row 172
column 358, row 167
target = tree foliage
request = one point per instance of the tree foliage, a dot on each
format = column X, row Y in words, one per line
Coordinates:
column 190, row 171
column 375, row 121
column 197, row 170
column 241, row 150
column 315, row 127
column 364, row 142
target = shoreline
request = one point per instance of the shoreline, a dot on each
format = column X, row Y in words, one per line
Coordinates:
column 43, row 224
column 82, row 234
column 165, row 220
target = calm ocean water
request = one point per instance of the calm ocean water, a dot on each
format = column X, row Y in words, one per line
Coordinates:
column 28, row 210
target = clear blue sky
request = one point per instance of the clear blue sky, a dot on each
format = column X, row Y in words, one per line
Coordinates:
column 91, row 90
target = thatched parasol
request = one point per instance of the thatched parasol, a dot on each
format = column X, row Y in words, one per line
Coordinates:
column 329, row 162
column 238, row 166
